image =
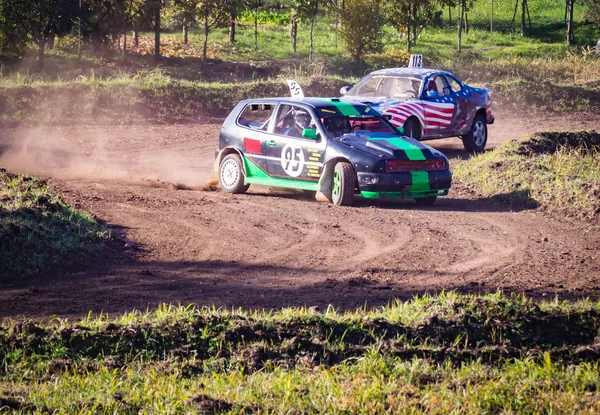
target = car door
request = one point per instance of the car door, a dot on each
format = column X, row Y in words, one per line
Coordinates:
column 254, row 121
column 291, row 156
column 462, row 106
column 438, row 105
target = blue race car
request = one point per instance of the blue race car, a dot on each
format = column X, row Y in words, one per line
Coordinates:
column 427, row 104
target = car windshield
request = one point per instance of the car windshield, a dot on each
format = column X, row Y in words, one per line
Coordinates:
column 386, row 86
column 338, row 126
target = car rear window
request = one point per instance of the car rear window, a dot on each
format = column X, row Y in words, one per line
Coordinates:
column 256, row 116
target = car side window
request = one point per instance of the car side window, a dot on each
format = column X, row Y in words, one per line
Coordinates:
column 438, row 85
column 292, row 120
column 454, row 84
column 256, row 116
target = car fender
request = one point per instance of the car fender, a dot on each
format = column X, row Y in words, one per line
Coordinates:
column 226, row 151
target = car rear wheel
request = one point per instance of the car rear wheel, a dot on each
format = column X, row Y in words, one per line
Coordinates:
column 476, row 140
column 426, row 201
column 412, row 128
column 344, row 182
column 231, row 174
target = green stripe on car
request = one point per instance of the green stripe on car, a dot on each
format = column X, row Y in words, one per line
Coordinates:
column 344, row 107
column 420, row 181
column 412, row 151
column 256, row 175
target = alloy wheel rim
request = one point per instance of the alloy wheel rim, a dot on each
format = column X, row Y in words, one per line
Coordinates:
column 336, row 184
column 229, row 174
column 479, row 133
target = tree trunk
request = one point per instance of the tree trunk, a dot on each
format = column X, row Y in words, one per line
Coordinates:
column 136, row 38
column 492, row 19
column 466, row 21
column 414, row 26
column 294, row 31
column 570, row 32
column 449, row 15
column 205, row 46
column 157, row 31
column 523, row 26
column 460, row 23
column 232, row 18
column 256, row 28
column 41, row 50
column 51, row 40
column 409, row 27
column 124, row 45
column 185, row 30
column 312, row 26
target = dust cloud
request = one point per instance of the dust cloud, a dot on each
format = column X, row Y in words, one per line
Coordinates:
column 98, row 156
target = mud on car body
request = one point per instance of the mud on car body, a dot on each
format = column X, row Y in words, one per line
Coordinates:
column 428, row 104
column 328, row 146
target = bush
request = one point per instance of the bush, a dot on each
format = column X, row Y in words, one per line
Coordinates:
column 362, row 27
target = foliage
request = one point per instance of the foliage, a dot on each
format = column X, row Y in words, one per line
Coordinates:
column 38, row 230
column 266, row 17
column 362, row 23
column 410, row 17
column 38, row 20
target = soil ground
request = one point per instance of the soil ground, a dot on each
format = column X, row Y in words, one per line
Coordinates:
column 178, row 241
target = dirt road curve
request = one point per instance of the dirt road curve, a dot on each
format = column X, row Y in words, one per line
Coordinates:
column 273, row 248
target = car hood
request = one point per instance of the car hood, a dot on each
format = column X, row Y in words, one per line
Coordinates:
column 386, row 145
column 379, row 103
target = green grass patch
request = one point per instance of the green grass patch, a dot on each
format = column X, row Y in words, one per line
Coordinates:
column 434, row 354
column 39, row 231
column 557, row 171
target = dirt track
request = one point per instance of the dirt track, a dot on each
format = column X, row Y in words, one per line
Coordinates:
column 273, row 248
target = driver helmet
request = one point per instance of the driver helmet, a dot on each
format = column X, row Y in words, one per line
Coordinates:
column 302, row 119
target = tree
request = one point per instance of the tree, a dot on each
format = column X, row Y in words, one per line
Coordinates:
column 210, row 13
column 570, row 31
column 233, row 8
column 410, row 17
column 40, row 20
column 592, row 10
column 524, row 13
column 13, row 39
column 366, row 15
column 305, row 11
column 186, row 9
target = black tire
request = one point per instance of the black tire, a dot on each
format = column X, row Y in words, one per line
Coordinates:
column 343, row 184
column 412, row 128
column 231, row 175
column 426, row 201
column 476, row 140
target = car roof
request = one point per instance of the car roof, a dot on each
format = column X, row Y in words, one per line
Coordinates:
column 417, row 72
column 314, row 102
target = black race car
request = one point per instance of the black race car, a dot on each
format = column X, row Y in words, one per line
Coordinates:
column 335, row 148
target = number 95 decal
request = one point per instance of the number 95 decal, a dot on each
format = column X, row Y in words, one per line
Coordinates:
column 292, row 160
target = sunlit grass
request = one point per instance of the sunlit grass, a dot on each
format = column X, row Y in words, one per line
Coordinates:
column 435, row 354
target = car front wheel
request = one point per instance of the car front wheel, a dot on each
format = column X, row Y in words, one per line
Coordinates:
column 344, row 182
column 231, row 174
column 476, row 140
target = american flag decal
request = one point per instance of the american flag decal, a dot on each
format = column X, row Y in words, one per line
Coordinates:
column 431, row 115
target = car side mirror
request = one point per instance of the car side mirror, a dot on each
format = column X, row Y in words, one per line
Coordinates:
column 309, row 133
column 432, row 94
column 344, row 90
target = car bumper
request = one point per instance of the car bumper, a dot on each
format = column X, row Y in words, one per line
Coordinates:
column 409, row 184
